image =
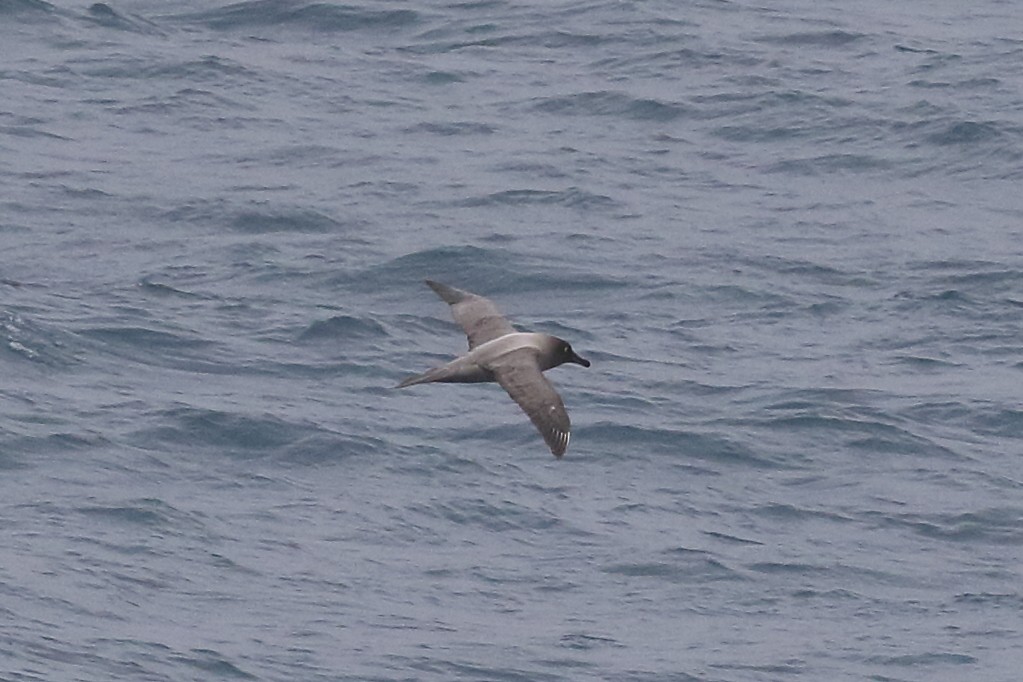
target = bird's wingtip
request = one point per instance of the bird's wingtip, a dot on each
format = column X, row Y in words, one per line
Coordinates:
column 408, row 381
column 560, row 447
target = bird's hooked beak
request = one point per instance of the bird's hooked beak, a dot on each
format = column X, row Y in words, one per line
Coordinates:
column 579, row 360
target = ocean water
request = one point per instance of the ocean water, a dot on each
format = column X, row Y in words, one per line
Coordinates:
column 788, row 235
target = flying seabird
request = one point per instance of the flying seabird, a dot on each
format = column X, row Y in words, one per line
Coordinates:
column 516, row 360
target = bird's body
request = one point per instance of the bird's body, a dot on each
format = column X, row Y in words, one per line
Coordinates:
column 478, row 364
column 516, row 360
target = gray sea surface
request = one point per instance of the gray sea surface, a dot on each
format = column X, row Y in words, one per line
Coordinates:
column 789, row 236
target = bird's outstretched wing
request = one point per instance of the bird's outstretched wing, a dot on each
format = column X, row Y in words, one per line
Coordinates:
column 519, row 373
column 478, row 316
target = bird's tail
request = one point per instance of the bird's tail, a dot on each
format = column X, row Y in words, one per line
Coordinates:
column 449, row 294
column 435, row 374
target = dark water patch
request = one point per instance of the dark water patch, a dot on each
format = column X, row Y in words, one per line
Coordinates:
column 322, row 369
column 229, row 432
column 864, row 432
column 983, row 280
column 451, row 129
column 925, row 363
column 149, row 286
column 328, row 448
column 275, row 16
column 559, row 329
column 61, row 442
column 610, row 103
column 87, row 193
column 490, row 514
column 813, row 38
column 572, row 197
column 683, row 446
column 916, row 661
column 648, row 676
column 152, row 346
column 291, row 156
column 790, row 513
column 150, row 513
column 811, row 399
column 23, row 8
column 965, row 84
column 761, row 133
column 624, row 403
column 244, row 436
column 443, row 77
column 341, row 328
column 746, row 112
column 829, row 163
column 1010, row 600
column 682, row 566
column 807, row 270
column 760, row 301
column 434, row 42
column 208, row 69
column 1000, row 421
column 652, row 62
column 957, row 267
column 730, row 538
column 270, row 220
column 261, row 218
column 584, row 642
column 961, row 147
column 562, row 39
column 53, row 654
column 8, row 447
column 929, row 84
column 102, row 14
column 787, row 669
column 31, row 131
column 938, row 412
column 895, row 441
column 212, row 212
column 456, row 38
column 487, row 438
column 479, row 269
column 406, row 328
column 914, row 50
column 558, row 288
column 828, row 309
column 212, row 663
column 137, row 528
column 937, row 300
column 533, row 169
column 456, row 670
column 999, row 526
column 827, row 597
column 789, row 568
column 965, row 133
column 981, row 83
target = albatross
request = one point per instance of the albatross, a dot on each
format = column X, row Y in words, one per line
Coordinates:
column 516, row 360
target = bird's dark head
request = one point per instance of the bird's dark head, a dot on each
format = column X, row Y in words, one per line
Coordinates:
column 566, row 354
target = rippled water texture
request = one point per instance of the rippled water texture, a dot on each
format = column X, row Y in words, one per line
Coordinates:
column 788, row 236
